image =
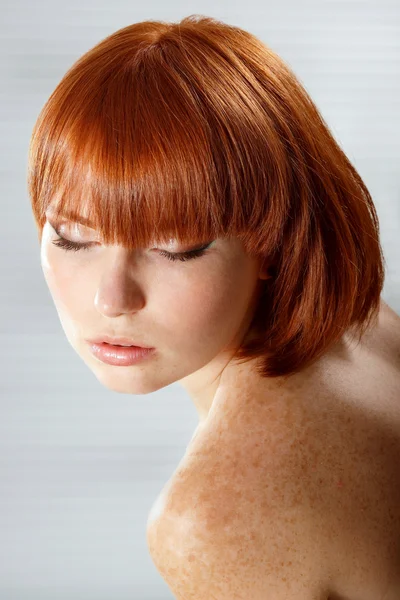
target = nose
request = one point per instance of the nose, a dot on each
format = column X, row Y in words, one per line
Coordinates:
column 119, row 290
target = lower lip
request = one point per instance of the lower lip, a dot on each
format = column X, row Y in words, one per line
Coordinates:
column 119, row 355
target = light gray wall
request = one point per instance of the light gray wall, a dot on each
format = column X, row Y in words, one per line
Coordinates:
column 80, row 465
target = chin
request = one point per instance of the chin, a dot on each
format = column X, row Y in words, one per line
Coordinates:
column 114, row 379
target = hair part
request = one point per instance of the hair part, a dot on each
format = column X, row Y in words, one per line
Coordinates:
column 196, row 130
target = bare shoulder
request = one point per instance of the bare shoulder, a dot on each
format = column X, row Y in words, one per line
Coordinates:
column 303, row 505
column 298, row 500
column 238, row 528
column 234, row 563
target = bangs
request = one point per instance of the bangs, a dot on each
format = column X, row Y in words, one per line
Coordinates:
column 197, row 130
column 145, row 155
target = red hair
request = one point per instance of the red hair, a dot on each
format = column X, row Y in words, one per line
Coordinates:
column 196, row 130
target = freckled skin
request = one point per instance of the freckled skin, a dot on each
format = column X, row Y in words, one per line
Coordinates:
column 297, row 497
column 287, row 490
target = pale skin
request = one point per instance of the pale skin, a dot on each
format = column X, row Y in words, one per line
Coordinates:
column 262, row 445
column 194, row 313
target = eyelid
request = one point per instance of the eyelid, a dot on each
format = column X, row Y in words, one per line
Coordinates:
column 177, row 253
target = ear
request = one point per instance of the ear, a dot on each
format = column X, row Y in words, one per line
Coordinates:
column 265, row 271
column 265, row 275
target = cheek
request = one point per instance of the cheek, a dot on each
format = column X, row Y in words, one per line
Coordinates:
column 62, row 281
column 210, row 307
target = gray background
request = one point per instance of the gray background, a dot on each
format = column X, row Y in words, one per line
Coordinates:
column 80, row 466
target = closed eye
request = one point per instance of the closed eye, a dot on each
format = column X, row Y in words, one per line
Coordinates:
column 69, row 245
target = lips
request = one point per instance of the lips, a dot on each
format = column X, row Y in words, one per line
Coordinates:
column 117, row 341
column 118, row 356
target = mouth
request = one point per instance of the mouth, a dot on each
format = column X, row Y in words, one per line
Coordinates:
column 117, row 342
column 118, row 354
column 122, row 345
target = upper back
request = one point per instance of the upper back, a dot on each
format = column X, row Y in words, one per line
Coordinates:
column 359, row 444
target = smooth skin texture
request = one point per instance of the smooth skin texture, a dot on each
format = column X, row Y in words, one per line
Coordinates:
column 194, row 313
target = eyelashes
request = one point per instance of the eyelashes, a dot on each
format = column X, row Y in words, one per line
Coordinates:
column 68, row 245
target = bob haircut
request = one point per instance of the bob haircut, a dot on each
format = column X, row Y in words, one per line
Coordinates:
column 196, row 130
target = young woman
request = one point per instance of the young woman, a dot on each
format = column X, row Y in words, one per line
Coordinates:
column 192, row 203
